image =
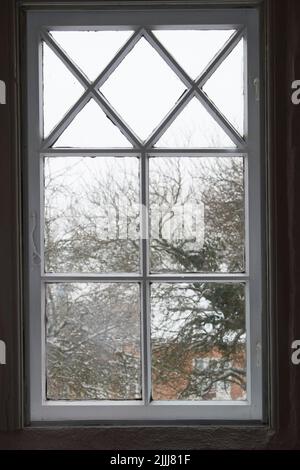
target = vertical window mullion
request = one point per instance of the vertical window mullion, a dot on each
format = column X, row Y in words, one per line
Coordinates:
column 247, row 215
column 42, row 215
column 255, row 208
column 249, row 357
column 41, row 232
column 145, row 285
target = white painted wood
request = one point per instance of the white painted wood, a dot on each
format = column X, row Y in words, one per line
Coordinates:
column 246, row 22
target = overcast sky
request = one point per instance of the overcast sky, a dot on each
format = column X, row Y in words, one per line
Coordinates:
column 143, row 88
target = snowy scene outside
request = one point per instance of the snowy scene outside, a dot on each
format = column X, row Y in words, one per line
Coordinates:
column 97, row 220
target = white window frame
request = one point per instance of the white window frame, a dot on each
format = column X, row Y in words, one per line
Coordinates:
column 246, row 21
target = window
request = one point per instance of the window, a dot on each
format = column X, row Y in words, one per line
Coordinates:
column 145, row 222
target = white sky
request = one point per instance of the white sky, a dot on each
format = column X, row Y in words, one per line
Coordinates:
column 143, row 88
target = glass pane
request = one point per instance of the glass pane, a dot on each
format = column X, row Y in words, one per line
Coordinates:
column 91, row 214
column 226, row 87
column 91, row 50
column 194, row 127
column 143, row 89
column 93, row 341
column 60, row 89
column 198, row 341
column 197, row 214
column 91, row 128
column 193, row 50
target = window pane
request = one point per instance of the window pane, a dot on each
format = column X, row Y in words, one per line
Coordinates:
column 226, row 87
column 60, row 89
column 143, row 89
column 91, row 214
column 93, row 341
column 193, row 49
column 91, row 128
column 197, row 214
column 91, row 50
column 194, row 127
column 198, row 341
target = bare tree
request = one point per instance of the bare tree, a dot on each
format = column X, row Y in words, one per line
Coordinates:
column 93, row 331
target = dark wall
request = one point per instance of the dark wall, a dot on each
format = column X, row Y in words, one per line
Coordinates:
column 282, row 65
column 10, row 292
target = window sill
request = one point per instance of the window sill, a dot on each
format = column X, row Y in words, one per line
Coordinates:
column 146, row 437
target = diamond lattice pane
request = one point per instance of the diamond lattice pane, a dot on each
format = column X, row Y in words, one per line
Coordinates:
column 60, row 89
column 92, row 128
column 226, row 87
column 91, row 50
column 194, row 49
column 143, row 89
column 194, row 127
